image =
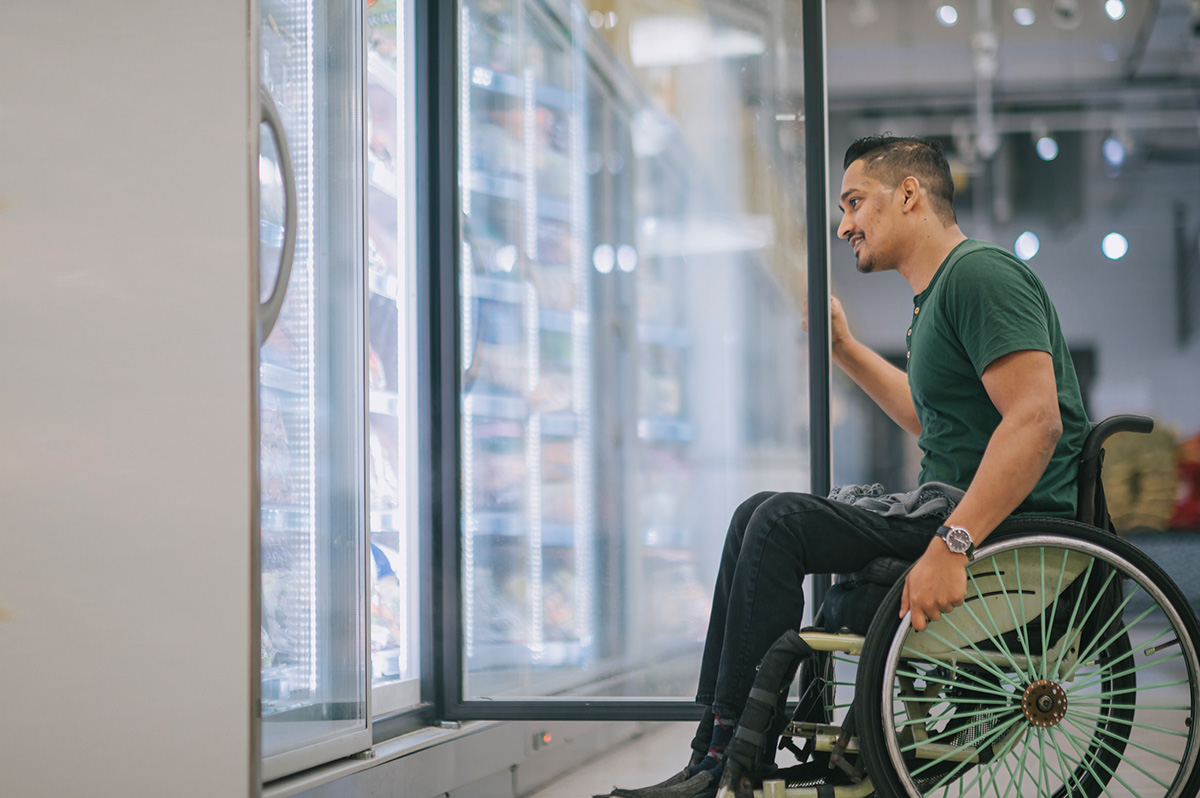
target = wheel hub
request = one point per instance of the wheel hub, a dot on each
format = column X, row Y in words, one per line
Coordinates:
column 1044, row 703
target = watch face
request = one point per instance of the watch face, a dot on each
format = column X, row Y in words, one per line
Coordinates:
column 958, row 540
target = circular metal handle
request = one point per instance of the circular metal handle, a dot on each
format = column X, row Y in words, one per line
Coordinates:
column 268, row 311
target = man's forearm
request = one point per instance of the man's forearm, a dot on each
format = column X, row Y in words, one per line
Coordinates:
column 884, row 383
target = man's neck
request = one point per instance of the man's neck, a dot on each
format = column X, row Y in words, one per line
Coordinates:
column 926, row 257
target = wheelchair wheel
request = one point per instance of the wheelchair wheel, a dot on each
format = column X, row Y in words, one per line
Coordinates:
column 1091, row 693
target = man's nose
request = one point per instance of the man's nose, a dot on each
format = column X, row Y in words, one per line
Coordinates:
column 844, row 227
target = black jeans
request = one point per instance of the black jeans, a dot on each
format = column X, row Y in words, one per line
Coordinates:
column 774, row 541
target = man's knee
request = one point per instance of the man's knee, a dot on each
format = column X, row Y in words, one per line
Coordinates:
column 745, row 510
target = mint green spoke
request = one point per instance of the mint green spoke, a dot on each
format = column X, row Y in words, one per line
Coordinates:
column 1083, row 583
column 1064, row 775
column 1142, row 688
column 1012, row 777
column 990, row 689
column 1068, row 773
column 1072, row 712
column 1108, row 666
column 1021, row 769
column 991, row 736
column 1022, row 628
column 985, row 715
column 1100, row 677
column 1078, row 630
column 1119, row 612
column 1128, row 654
column 988, row 611
column 1111, row 705
column 1130, row 741
column 974, row 720
column 992, row 770
column 846, row 660
column 983, row 660
column 1085, row 762
column 1113, row 751
column 1003, row 648
column 1047, row 629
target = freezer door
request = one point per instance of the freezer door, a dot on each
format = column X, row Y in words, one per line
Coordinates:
column 311, row 390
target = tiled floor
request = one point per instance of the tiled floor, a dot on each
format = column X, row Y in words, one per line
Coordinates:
column 646, row 760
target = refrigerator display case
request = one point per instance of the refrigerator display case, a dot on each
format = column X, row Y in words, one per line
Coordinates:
column 311, row 389
column 628, row 349
column 526, row 517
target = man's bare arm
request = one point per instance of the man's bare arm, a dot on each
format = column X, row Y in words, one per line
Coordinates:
column 883, row 382
column 1022, row 387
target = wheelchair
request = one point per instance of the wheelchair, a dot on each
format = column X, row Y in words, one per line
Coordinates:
column 1070, row 670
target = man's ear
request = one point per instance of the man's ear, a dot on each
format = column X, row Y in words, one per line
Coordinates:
column 910, row 191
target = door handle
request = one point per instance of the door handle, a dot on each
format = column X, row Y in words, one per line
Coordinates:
column 268, row 311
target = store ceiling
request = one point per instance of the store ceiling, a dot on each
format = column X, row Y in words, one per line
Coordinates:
column 1080, row 70
column 897, row 48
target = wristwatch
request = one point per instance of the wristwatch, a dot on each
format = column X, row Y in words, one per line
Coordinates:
column 958, row 540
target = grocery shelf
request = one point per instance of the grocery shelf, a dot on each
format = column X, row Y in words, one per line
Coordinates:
column 284, row 518
column 280, row 378
column 385, row 403
column 513, row 190
column 387, row 520
column 666, row 430
column 384, row 285
column 664, row 334
column 513, row 86
column 384, row 74
column 507, row 407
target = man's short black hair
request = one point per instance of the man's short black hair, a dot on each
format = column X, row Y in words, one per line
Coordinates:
column 890, row 159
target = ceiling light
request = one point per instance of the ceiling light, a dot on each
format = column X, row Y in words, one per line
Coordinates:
column 947, row 15
column 1047, row 148
column 1027, row 245
column 1114, row 151
column 1024, row 16
column 1115, row 9
column 1114, row 246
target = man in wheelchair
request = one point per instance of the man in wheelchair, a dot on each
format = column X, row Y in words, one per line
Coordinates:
column 1004, row 669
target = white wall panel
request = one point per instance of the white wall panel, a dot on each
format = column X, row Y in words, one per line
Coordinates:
column 126, row 654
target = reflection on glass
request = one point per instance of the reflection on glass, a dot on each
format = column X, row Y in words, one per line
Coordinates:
column 313, row 632
column 632, row 276
column 393, row 557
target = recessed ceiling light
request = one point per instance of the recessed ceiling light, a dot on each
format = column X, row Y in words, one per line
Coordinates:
column 1114, row 151
column 1024, row 16
column 1047, row 148
column 1114, row 246
column 947, row 15
column 1115, row 9
column 1027, row 245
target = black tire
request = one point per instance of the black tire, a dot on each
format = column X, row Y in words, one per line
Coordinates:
column 1099, row 708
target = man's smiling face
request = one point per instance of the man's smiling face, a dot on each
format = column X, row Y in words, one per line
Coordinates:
column 870, row 215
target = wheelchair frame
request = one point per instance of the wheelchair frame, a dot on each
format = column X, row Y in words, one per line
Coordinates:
column 981, row 668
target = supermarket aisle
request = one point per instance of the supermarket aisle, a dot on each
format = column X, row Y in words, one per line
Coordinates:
column 639, row 762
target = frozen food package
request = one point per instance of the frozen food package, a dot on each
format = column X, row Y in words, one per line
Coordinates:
column 381, row 27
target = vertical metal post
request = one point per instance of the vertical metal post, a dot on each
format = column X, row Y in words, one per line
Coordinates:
column 435, row 51
column 816, row 151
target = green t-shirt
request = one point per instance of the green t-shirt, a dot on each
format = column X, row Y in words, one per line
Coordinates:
column 982, row 304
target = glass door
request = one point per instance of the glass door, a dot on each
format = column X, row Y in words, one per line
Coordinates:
column 632, row 274
column 311, row 392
